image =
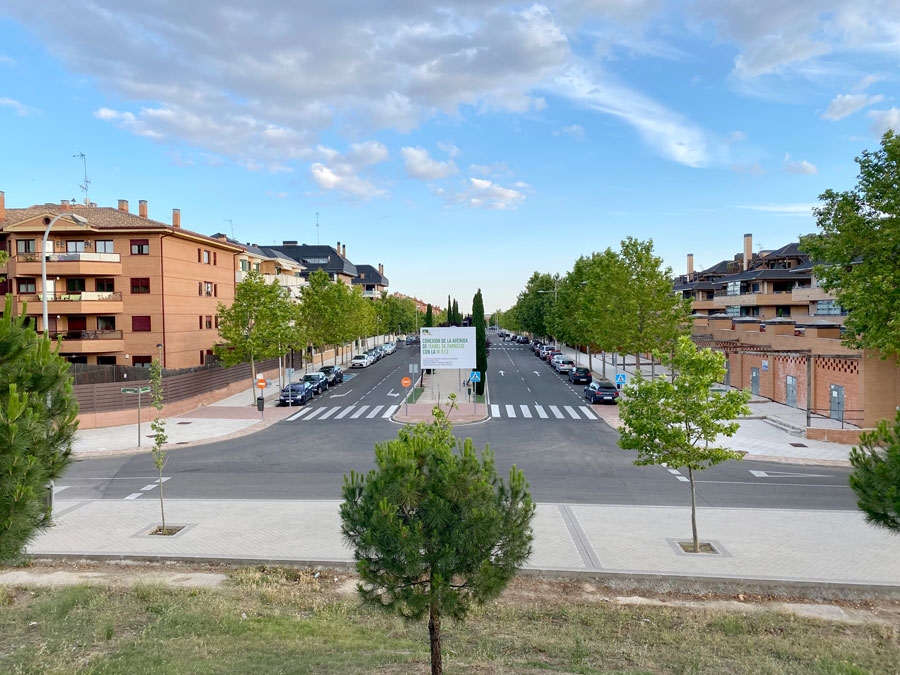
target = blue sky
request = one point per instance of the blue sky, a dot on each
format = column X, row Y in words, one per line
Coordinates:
column 462, row 144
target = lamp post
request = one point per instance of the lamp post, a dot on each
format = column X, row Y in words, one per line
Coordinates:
column 78, row 219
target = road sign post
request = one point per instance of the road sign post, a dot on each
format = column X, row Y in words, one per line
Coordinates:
column 474, row 376
column 260, row 400
column 406, row 381
column 620, row 380
column 138, row 391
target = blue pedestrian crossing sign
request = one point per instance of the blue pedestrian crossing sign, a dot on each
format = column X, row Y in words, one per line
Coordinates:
column 620, row 378
column 475, row 376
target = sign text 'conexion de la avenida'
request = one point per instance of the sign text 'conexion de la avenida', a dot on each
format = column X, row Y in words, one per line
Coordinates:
column 448, row 348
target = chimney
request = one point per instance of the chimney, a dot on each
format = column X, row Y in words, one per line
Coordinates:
column 123, row 205
column 380, row 269
column 344, row 252
column 64, row 204
column 339, row 248
column 690, row 263
column 93, row 205
column 142, row 208
column 748, row 250
column 2, row 206
column 176, row 217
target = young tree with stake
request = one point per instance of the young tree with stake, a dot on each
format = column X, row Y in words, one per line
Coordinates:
column 158, row 425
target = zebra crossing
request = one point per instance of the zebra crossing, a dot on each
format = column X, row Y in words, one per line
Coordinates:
column 549, row 412
column 340, row 412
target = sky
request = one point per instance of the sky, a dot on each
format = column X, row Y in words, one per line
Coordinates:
column 464, row 144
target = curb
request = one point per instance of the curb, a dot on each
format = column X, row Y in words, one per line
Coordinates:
column 800, row 461
column 623, row 581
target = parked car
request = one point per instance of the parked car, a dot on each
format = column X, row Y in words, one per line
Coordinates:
column 542, row 351
column 297, row 393
column 411, row 339
column 536, row 344
column 333, row 374
column 564, row 365
column 389, row 348
column 601, row 391
column 523, row 340
column 317, row 381
column 580, row 374
column 360, row 361
column 548, row 356
column 558, row 356
column 373, row 354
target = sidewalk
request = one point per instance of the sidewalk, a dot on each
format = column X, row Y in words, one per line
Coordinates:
column 789, row 546
column 772, row 431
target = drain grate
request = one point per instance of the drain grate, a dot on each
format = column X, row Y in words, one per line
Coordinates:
column 184, row 422
column 800, row 445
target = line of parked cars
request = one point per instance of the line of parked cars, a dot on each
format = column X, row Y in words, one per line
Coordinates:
column 298, row 393
column 599, row 391
column 369, row 357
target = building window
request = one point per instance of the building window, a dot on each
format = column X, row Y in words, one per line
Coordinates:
column 829, row 308
column 216, row 290
column 25, row 286
column 141, row 361
column 245, row 265
column 140, row 285
column 208, row 322
column 24, row 245
column 277, row 270
column 74, row 247
column 200, row 288
column 104, row 246
column 105, row 285
column 140, row 324
column 199, row 255
column 733, row 310
column 217, row 321
column 106, row 360
column 202, row 355
column 140, row 247
column 208, row 288
column 106, row 323
column 206, row 257
column 74, row 285
column 256, row 267
column 200, row 322
column 734, row 288
column 214, row 258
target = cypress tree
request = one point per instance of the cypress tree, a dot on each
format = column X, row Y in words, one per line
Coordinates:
column 429, row 317
column 480, row 341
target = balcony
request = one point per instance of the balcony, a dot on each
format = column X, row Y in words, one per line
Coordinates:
column 810, row 294
column 749, row 299
column 85, row 302
column 90, row 341
column 70, row 264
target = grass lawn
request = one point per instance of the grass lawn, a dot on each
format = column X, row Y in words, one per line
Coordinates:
column 286, row 621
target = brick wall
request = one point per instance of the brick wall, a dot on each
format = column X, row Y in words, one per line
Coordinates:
column 844, row 372
column 789, row 365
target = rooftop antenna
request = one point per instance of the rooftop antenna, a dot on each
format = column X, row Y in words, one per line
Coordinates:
column 87, row 181
column 317, row 228
column 230, row 222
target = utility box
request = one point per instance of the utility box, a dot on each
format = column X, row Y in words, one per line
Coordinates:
column 260, row 403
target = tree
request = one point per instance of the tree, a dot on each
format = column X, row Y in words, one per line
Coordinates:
column 433, row 527
column 480, row 341
column 37, row 425
column 158, row 425
column 858, row 249
column 457, row 317
column 262, row 322
column 674, row 422
column 876, row 474
column 534, row 305
column 606, row 279
column 429, row 317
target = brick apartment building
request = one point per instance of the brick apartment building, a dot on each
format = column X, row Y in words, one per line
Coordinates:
column 118, row 284
column 781, row 334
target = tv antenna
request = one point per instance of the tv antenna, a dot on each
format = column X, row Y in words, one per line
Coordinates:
column 87, row 181
column 230, row 222
column 317, row 228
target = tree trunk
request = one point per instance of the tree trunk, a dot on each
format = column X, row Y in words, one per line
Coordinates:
column 434, row 631
column 694, row 511
column 652, row 368
column 253, row 379
column 162, row 510
column 637, row 363
column 590, row 361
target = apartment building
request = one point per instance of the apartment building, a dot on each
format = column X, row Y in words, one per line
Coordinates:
column 274, row 266
column 121, row 287
column 372, row 281
column 332, row 260
column 781, row 334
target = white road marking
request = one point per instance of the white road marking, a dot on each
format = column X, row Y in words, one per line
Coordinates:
column 149, row 487
column 682, row 479
column 389, row 411
column 588, row 412
column 59, row 488
column 339, row 395
column 785, row 474
column 330, row 412
column 297, row 414
column 674, row 472
column 572, row 413
column 495, row 410
column 510, row 411
column 374, row 412
column 134, row 495
column 556, row 412
column 313, row 413
column 525, row 411
column 345, row 411
column 540, row 411
column 359, row 412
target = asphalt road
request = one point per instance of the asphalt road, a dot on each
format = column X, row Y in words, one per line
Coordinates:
column 564, row 460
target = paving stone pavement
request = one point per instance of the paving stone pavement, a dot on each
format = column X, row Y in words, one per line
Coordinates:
column 757, row 544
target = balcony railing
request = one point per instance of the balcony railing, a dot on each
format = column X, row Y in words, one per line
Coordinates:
column 69, row 257
column 81, row 296
column 86, row 334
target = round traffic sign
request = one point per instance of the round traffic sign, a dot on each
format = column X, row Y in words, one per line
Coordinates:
column 261, row 383
column 406, row 381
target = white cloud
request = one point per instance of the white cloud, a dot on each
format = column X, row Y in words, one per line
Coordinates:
column 497, row 168
column 802, row 166
column 7, row 60
column 753, row 168
column 484, row 194
column 882, row 120
column 575, row 131
column 783, row 209
column 420, row 166
column 341, row 173
column 449, row 148
column 867, row 81
column 276, row 195
column 344, row 182
column 847, row 104
column 21, row 109
column 736, row 136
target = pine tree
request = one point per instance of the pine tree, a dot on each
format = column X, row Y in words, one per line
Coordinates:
column 876, row 475
column 480, row 341
column 429, row 317
column 434, row 528
column 37, row 424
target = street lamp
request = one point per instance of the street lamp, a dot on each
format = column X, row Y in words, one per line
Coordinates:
column 78, row 219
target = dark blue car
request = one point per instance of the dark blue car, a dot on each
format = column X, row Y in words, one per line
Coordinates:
column 296, row 394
